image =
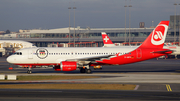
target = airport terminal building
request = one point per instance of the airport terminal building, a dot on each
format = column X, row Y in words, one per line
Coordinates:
column 61, row 35
column 43, row 37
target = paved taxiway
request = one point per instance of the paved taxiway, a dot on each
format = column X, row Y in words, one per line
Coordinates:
column 155, row 80
column 86, row 95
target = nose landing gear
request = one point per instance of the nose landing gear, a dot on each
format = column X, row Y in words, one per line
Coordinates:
column 29, row 70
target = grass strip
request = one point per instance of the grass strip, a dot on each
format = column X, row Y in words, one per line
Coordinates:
column 52, row 77
column 71, row 86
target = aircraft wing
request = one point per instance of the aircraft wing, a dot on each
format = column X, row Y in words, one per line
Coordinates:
column 90, row 58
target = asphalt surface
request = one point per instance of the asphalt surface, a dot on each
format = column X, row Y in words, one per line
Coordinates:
column 86, row 95
column 154, row 79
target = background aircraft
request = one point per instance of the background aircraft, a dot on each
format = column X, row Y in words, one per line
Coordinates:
column 9, row 46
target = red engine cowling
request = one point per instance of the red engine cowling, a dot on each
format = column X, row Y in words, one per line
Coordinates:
column 66, row 66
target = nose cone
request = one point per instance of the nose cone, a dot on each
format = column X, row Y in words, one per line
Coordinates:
column 10, row 59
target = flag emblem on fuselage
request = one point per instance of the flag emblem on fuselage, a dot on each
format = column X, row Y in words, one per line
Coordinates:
column 42, row 53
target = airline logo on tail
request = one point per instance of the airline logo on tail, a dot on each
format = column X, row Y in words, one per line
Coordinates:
column 158, row 36
column 106, row 39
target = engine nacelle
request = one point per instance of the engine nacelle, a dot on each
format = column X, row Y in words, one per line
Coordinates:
column 66, row 66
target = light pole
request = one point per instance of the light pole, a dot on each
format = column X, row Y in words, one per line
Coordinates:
column 74, row 25
column 125, row 22
column 69, row 22
column 175, row 4
column 179, row 28
column 129, row 22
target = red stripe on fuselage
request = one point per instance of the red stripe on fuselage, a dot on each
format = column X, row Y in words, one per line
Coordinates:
column 133, row 57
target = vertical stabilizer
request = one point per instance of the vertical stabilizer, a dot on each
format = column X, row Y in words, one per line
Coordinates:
column 106, row 40
column 157, row 37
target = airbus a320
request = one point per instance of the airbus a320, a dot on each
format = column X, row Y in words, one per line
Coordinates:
column 69, row 59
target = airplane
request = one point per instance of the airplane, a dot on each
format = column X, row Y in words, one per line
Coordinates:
column 15, row 44
column 69, row 59
column 108, row 43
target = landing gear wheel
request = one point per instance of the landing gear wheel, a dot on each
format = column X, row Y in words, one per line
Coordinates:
column 82, row 70
column 88, row 71
column 29, row 71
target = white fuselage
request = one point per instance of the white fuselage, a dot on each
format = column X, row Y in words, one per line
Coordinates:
column 56, row 55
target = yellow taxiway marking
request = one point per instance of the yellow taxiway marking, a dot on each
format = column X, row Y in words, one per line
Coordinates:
column 168, row 87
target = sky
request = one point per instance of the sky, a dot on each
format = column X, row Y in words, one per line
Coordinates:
column 52, row 14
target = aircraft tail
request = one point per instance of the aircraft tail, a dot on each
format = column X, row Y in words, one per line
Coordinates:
column 106, row 40
column 157, row 37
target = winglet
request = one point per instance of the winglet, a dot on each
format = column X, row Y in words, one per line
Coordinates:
column 106, row 40
column 157, row 37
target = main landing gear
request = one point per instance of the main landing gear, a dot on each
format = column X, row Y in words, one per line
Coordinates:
column 85, row 69
column 29, row 70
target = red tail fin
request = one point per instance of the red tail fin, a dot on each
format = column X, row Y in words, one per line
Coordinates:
column 106, row 40
column 157, row 37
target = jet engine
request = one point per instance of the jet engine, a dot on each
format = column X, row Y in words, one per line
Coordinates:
column 66, row 66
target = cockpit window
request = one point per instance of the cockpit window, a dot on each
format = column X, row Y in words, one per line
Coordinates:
column 18, row 53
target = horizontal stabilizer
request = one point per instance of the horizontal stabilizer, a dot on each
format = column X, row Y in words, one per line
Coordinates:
column 164, row 52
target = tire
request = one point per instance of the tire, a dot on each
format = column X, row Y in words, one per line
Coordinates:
column 29, row 71
column 82, row 70
column 88, row 71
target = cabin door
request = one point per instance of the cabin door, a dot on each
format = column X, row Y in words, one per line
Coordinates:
column 30, row 54
column 139, row 53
